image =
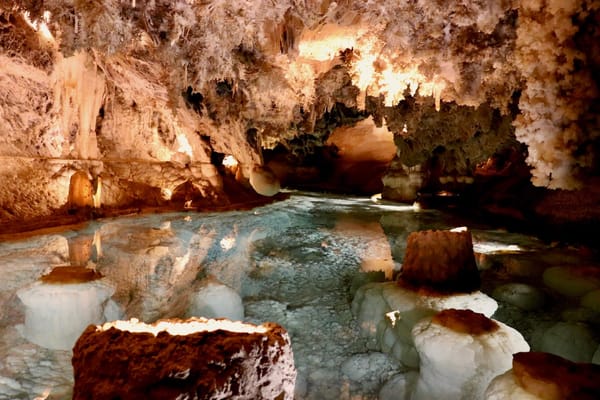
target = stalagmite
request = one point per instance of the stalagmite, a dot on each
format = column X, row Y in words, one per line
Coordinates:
column 195, row 358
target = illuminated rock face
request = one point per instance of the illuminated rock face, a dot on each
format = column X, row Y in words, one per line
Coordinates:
column 172, row 85
column 445, row 146
column 196, row 358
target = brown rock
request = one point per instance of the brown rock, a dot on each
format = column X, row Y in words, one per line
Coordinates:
column 551, row 377
column 71, row 275
column 465, row 321
column 81, row 191
column 164, row 361
column 441, row 260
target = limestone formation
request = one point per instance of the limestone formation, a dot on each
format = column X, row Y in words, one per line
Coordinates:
column 461, row 352
column 81, row 191
column 173, row 86
column 264, row 182
column 195, row 358
column 543, row 376
column 387, row 313
column 62, row 304
column 442, row 260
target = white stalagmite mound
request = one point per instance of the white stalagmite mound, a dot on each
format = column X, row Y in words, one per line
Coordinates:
column 461, row 352
column 387, row 312
column 56, row 314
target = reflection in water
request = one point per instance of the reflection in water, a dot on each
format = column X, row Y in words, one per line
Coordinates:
column 371, row 244
column 212, row 299
column 299, row 263
column 56, row 314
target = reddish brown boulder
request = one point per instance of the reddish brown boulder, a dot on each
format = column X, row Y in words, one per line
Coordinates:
column 551, row 377
column 192, row 359
column 441, row 260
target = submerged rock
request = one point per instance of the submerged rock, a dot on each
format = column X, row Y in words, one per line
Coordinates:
column 571, row 340
column 572, row 281
column 216, row 300
column 524, row 296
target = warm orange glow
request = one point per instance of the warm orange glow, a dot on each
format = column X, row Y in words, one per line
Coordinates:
column 325, row 43
column 45, row 394
column 97, row 243
column 182, row 328
column 166, row 193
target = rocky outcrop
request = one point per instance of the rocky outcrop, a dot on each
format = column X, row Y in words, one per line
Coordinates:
column 196, row 358
column 444, row 146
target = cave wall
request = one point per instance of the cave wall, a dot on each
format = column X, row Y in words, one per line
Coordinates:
column 145, row 95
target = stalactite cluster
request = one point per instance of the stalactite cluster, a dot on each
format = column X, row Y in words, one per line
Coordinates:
column 186, row 82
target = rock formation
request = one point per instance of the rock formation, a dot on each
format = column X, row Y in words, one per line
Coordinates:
column 195, row 358
column 441, row 260
column 62, row 304
column 536, row 376
column 461, row 352
column 148, row 96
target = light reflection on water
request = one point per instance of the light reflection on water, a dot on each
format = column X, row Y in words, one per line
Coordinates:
column 297, row 263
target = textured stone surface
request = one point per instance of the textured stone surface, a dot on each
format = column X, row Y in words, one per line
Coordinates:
column 172, row 86
column 209, row 364
column 552, row 377
column 459, row 364
column 387, row 313
column 442, row 260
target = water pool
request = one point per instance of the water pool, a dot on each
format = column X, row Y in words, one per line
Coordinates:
column 297, row 262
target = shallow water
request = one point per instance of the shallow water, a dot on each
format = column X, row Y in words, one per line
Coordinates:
column 297, row 262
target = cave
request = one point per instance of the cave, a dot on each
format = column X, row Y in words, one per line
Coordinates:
column 192, row 157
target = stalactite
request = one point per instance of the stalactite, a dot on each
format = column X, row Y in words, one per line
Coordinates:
column 79, row 94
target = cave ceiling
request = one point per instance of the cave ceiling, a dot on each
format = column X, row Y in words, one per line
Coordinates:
column 147, row 94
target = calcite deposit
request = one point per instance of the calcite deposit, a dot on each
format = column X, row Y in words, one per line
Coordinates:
column 537, row 375
column 461, row 352
column 195, row 358
column 142, row 100
column 441, row 260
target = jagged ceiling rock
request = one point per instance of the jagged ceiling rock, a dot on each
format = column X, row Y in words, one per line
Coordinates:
column 178, row 82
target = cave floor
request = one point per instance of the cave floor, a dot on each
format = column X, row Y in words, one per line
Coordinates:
column 297, row 262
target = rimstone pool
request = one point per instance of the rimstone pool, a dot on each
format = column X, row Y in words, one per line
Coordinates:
column 300, row 263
